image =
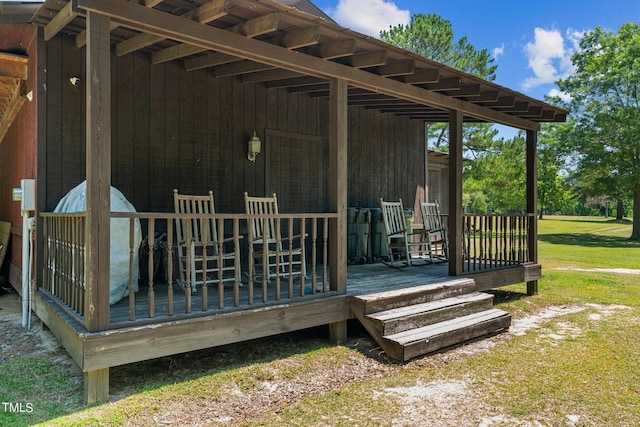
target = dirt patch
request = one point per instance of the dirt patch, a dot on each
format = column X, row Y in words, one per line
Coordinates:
column 275, row 392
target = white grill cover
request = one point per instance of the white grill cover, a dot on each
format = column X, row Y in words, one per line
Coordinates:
column 76, row 201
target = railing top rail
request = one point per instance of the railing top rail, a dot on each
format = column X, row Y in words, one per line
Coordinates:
column 62, row 214
column 170, row 215
column 500, row 215
column 221, row 215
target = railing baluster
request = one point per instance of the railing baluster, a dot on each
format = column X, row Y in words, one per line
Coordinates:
column 132, row 301
column 314, row 253
column 236, row 269
column 151, row 292
column 303, row 232
column 325, row 256
column 64, row 259
column 169, row 269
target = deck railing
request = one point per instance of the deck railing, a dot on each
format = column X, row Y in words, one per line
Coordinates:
column 154, row 267
column 495, row 241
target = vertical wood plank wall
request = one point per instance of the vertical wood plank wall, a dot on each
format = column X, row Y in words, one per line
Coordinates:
column 189, row 130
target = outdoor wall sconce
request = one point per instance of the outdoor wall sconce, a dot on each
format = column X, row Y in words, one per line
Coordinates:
column 254, row 147
column 74, row 81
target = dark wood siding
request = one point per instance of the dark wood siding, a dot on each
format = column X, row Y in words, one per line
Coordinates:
column 189, row 130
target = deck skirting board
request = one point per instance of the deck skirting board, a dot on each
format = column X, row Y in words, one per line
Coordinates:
column 506, row 276
column 134, row 344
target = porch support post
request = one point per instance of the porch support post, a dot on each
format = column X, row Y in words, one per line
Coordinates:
column 98, row 164
column 532, row 203
column 455, row 193
column 338, row 196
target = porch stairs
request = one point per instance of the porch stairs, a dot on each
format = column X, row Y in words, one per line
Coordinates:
column 411, row 322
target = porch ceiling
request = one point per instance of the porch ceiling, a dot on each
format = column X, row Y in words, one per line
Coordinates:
column 270, row 43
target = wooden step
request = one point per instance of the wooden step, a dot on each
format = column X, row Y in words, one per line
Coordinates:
column 406, row 345
column 418, row 315
column 381, row 301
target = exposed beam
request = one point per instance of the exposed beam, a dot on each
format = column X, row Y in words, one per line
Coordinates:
column 209, row 60
column 66, row 15
column 488, row 96
column 369, row 59
column 208, row 12
column 81, row 38
column 505, row 101
column 258, row 26
column 518, row 107
column 136, row 43
column 334, row 50
column 450, row 83
column 152, row 3
column 310, row 88
column 212, row 38
column 267, row 76
column 300, row 38
column 176, row 52
column 423, row 76
column 533, row 111
column 399, row 68
column 252, row 28
column 471, row 90
column 241, row 67
column 293, row 82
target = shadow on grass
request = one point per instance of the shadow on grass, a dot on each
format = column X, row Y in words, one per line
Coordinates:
column 134, row 378
column 502, row 296
column 594, row 221
column 150, row 374
column 589, row 240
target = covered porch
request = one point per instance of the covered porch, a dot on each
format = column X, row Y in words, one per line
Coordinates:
column 166, row 94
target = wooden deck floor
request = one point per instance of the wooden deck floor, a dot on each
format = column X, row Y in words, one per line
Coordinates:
column 361, row 279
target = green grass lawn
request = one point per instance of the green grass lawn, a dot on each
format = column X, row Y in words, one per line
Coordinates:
column 581, row 368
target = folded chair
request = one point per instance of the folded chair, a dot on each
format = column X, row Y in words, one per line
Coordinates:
column 435, row 233
column 402, row 244
column 203, row 257
column 266, row 246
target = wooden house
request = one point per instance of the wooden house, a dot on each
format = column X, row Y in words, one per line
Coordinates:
column 151, row 96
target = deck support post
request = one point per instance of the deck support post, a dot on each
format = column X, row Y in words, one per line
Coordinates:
column 96, row 386
column 455, row 193
column 98, row 174
column 338, row 133
column 532, row 203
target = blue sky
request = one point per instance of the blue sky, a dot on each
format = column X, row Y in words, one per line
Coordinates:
column 532, row 41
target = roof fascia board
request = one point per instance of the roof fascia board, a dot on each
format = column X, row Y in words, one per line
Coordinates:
column 174, row 27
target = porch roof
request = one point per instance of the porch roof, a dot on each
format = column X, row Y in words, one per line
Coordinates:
column 280, row 46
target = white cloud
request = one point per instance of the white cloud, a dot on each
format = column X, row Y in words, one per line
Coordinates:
column 558, row 93
column 549, row 56
column 368, row 16
column 497, row 51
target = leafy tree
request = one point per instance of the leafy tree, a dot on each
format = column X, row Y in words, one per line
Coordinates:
column 499, row 174
column 495, row 180
column 432, row 37
column 553, row 189
column 605, row 100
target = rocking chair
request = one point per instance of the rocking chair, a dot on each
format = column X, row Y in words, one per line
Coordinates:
column 266, row 243
column 401, row 243
column 435, row 233
column 202, row 255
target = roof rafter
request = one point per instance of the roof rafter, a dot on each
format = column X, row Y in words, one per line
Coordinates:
column 209, row 37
